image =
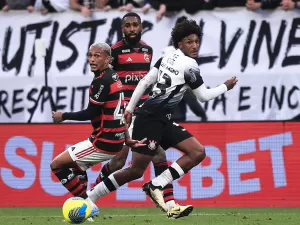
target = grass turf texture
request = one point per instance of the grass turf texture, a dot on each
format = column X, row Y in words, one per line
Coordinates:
column 135, row 216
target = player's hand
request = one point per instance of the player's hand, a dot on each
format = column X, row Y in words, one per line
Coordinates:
column 128, row 118
column 231, row 83
column 134, row 143
column 57, row 117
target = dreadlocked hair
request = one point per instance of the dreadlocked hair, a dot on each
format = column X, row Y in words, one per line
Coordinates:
column 184, row 29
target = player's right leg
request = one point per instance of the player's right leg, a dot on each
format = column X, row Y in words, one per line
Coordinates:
column 179, row 138
column 82, row 156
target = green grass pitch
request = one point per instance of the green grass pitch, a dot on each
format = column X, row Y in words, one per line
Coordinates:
column 152, row 216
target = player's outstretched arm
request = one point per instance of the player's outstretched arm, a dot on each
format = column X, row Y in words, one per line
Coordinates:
column 203, row 94
column 87, row 114
column 146, row 82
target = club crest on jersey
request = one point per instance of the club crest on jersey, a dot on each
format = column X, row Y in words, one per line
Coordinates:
column 146, row 57
column 115, row 77
column 152, row 145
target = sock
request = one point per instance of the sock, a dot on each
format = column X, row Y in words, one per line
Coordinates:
column 105, row 172
column 159, row 168
column 103, row 188
column 82, row 175
column 172, row 173
column 71, row 182
column 170, row 204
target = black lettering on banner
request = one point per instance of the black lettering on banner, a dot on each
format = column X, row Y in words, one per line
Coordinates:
column 92, row 26
column 204, row 59
column 38, row 29
column 30, row 97
column 243, row 97
column 17, row 59
column 51, row 46
column 16, row 100
column 72, row 99
column 147, row 26
column 265, row 32
column 293, row 40
column 114, row 28
column 72, row 28
column 274, row 95
column 3, row 101
column 83, row 91
column 244, row 61
column 291, row 92
column 225, row 54
column 221, row 99
column 216, row 101
column 263, row 101
column 59, row 97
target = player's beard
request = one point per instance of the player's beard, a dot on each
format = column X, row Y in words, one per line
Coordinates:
column 133, row 41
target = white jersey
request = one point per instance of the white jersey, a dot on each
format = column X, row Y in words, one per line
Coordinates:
column 176, row 72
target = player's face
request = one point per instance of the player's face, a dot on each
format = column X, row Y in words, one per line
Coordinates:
column 98, row 59
column 132, row 29
column 190, row 45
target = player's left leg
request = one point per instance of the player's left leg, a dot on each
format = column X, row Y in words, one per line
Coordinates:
column 160, row 164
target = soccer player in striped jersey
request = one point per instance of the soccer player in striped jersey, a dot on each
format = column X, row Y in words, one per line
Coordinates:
column 132, row 60
column 105, row 110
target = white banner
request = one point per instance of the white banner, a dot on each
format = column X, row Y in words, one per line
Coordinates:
column 261, row 48
column 264, row 98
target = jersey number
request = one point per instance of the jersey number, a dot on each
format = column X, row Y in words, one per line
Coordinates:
column 118, row 113
column 164, row 82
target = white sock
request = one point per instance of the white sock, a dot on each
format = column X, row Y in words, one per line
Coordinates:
column 170, row 204
column 166, row 177
column 98, row 191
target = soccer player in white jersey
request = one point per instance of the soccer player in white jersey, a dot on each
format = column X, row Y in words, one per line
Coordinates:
column 170, row 76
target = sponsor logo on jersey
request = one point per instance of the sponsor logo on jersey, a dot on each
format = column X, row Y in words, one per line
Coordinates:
column 99, row 92
column 120, row 136
column 144, row 49
column 125, row 50
column 129, row 59
column 133, row 77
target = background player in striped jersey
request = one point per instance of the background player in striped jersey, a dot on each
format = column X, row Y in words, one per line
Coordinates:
column 105, row 110
column 132, row 60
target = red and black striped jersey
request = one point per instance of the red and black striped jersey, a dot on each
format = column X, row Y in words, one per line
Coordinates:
column 131, row 64
column 106, row 91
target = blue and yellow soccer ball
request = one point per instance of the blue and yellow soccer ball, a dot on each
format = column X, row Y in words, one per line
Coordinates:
column 76, row 210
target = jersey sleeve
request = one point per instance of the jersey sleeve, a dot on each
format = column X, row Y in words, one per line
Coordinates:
column 157, row 64
column 99, row 92
column 192, row 75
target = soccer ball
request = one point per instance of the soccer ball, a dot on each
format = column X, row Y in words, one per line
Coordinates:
column 76, row 210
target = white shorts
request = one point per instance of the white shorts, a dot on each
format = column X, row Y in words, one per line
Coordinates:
column 130, row 129
column 86, row 156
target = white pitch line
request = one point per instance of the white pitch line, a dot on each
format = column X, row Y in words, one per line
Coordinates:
column 147, row 215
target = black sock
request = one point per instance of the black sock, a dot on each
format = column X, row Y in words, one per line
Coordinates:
column 71, row 182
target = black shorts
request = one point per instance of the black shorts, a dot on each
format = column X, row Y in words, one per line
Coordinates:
column 159, row 131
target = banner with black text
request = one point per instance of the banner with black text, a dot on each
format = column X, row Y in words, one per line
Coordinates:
column 261, row 48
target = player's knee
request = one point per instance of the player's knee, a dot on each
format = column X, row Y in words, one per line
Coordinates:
column 199, row 154
column 54, row 165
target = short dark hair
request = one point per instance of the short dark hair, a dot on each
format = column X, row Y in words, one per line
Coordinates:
column 184, row 29
column 132, row 14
